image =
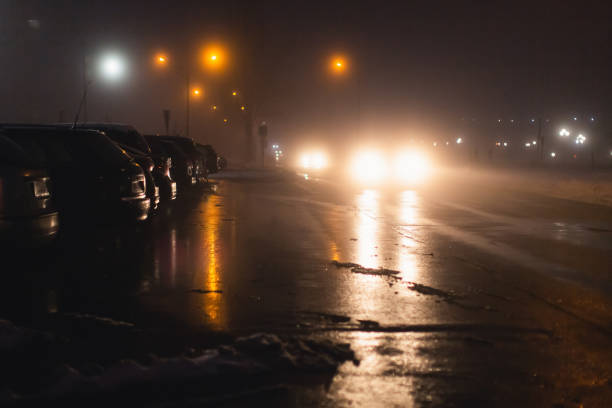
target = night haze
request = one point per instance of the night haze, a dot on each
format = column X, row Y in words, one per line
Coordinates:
column 305, row 203
column 415, row 68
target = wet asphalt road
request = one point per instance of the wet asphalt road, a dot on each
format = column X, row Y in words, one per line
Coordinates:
column 487, row 297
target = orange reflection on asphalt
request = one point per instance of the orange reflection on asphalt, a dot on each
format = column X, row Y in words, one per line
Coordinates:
column 213, row 302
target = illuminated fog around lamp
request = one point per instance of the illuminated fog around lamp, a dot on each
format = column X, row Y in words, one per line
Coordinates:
column 112, row 67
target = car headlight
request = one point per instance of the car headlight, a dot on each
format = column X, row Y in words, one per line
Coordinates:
column 411, row 167
column 368, row 166
column 313, row 161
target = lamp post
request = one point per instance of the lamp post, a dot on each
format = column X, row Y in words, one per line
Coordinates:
column 111, row 67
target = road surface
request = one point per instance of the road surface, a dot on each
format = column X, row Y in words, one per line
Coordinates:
column 448, row 295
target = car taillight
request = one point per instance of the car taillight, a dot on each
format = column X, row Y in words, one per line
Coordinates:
column 135, row 186
column 138, row 184
column 168, row 167
column 40, row 188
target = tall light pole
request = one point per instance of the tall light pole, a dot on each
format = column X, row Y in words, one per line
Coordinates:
column 111, row 67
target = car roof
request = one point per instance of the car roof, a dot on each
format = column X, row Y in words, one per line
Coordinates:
column 38, row 128
column 101, row 125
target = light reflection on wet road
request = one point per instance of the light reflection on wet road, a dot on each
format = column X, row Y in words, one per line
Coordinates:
column 256, row 256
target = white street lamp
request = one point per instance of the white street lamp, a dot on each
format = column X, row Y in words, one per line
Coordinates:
column 112, row 67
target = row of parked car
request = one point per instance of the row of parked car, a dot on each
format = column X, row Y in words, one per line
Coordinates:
column 65, row 174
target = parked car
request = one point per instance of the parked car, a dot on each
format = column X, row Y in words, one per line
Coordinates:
column 92, row 177
column 188, row 146
column 27, row 211
column 212, row 158
column 222, row 163
column 182, row 166
column 129, row 139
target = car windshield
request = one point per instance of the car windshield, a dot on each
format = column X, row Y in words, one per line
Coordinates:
column 173, row 149
column 185, row 145
column 69, row 148
column 124, row 135
column 12, row 153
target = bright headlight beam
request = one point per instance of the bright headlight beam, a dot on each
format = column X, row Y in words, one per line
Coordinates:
column 313, row 160
column 412, row 167
column 369, row 167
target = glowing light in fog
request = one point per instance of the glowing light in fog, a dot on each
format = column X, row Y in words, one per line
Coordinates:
column 412, row 167
column 564, row 132
column 459, row 140
column 368, row 166
column 553, row 154
column 316, row 160
column 112, row 66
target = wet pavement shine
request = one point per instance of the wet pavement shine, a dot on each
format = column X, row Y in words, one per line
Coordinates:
column 448, row 295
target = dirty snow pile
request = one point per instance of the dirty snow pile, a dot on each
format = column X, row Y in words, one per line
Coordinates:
column 244, row 359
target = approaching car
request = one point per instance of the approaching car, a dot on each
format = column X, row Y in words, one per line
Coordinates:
column 188, row 146
column 92, row 177
column 212, row 158
column 27, row 213
column 182, row 170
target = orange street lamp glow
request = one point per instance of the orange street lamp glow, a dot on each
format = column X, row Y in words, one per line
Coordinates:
column 338, row 65
column 225, row 120
column 161, row 59
column 214, row 107
column 234, row 93
column 242, row 108
column 196, row 92
column 214, row 57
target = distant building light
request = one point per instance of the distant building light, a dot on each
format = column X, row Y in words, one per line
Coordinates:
column 527, row 144
column 575, row 118
column 532, row 120
column 459, row 140
column 534, row 142
column 435, row 144
column 505, row 144
column 564, row 132
column 553, row 154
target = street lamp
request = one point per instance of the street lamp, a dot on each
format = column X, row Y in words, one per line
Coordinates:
column 112, row 67
column 161, row 60
column 564, row 132
column 214, row 57
column 338, row 65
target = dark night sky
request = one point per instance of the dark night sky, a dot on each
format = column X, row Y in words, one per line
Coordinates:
column 414, row 66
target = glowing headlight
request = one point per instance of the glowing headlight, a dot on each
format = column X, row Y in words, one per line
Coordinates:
column 316, row 161
column 369, row 167
column 411, row 167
